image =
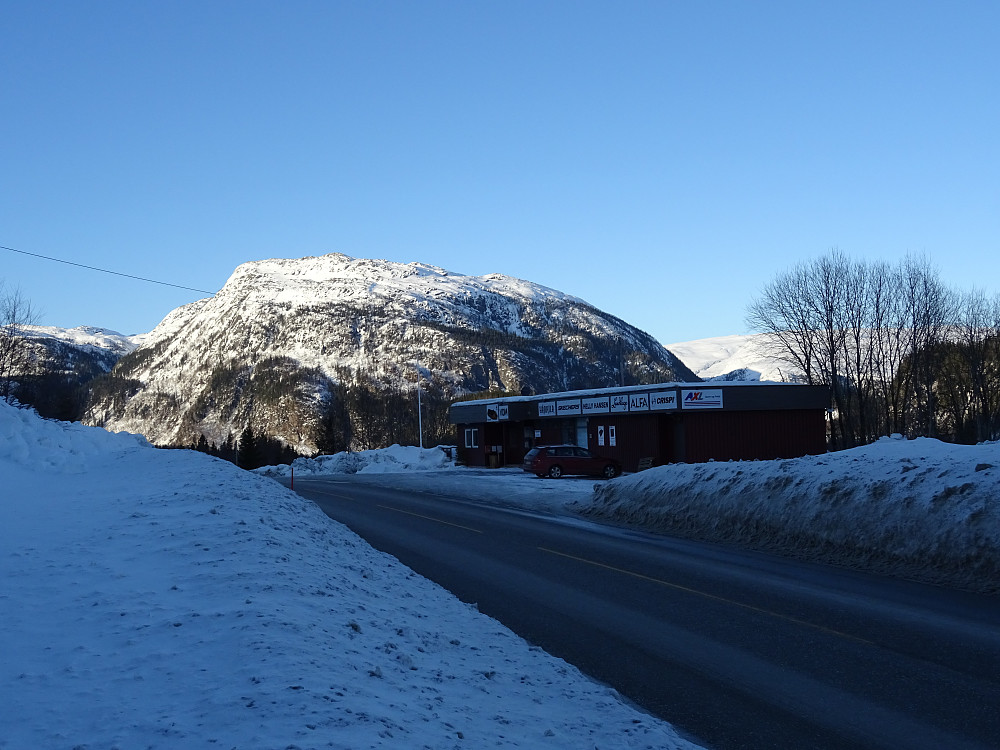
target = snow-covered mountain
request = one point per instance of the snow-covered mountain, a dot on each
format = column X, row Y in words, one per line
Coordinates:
column 70, row 350
column 275, row 344
column 737, row 357
column 52, row 370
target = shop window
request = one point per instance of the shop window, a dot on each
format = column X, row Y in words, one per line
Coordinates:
column 472, row 437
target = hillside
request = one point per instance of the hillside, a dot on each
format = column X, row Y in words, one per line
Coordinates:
column 325, row 352
column 60, row 362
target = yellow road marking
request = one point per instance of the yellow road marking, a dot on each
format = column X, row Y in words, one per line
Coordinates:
column 331, row 494
column 431, row 518
column 689, row 590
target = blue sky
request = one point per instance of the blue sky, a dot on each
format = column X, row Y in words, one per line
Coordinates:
column 662, row 160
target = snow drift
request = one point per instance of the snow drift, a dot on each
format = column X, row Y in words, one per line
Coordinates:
column 164, row 599
column 919, row 509
column 395, row 458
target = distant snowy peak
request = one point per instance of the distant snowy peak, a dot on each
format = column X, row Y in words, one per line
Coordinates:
column 86, row 337
column 734, row 358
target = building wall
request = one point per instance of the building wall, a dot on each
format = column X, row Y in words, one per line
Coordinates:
column 752, row 435
column 685, row 436
column 636, row 436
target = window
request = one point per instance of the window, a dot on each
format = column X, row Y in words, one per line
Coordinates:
column 472, row 437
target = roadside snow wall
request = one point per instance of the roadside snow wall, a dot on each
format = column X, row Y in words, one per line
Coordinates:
column 918, row 509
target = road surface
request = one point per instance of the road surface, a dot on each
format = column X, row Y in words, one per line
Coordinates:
column 735, row 649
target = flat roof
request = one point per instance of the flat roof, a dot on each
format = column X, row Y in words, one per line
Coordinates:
column 610, row 390
column 654, row 397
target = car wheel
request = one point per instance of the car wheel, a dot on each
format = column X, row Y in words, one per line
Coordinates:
column 555, row 471
column 610, row 471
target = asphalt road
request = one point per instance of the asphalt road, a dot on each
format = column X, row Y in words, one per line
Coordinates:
column 735, row 649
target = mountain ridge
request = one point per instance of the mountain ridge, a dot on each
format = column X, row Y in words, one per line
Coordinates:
column 299, row 347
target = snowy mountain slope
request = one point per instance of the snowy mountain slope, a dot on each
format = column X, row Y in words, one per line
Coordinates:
column 273, row 343
column 78, row 350
column 165, row 599
column 736, row 357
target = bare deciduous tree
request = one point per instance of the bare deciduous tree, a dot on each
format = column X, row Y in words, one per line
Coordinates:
column 899, row 350
column 15, row 354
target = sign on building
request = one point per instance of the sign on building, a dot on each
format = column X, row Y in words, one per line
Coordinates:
column 638, row 402
column 597, row 405
column 497, row 412
column 547, row 409
column 568, row 408
column 663, row 400
column 708, row 398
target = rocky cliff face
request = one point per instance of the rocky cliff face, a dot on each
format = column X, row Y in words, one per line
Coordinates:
column 300, row 348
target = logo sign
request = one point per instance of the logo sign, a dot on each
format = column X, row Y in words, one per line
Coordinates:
column 612, row 440
column 599, row 405
column 497, row 412
column 710, row 398
column 638, row 402
column 547, row 409
column 568, row 408
column 663, row 400
column 600, row 435
column 619, row 403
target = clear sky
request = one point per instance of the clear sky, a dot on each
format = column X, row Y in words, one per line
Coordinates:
column 662, row 160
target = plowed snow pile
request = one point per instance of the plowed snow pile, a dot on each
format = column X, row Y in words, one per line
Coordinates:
column 165, row 599
column 916, row 508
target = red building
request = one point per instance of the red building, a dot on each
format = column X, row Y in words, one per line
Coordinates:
column 667, row 423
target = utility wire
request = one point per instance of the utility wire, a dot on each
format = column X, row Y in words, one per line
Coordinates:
column 105, row 270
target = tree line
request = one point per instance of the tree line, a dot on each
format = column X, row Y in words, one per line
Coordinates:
column 900, row 351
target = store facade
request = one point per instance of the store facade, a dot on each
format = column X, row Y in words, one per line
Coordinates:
column 653, row 424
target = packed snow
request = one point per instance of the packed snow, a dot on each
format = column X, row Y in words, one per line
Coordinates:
column 164, row 599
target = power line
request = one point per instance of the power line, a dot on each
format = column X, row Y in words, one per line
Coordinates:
column 105, row 270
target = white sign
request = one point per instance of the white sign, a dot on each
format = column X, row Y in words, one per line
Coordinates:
column 619, row 402
column 598, row 405
column 497, row 412
column 568, row 408
column 709, row 398
column 663, row 400
column 547, row 409
column 600, row 435
column 638, row 402
column 612, row 441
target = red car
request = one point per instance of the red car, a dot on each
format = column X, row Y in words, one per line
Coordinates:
column 556, row 460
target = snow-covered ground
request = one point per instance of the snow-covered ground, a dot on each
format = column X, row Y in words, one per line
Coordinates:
column 165, row 599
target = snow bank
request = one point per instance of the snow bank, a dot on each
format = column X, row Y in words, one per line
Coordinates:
column 163, row 599
column 396, row 458
column 914, row 508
